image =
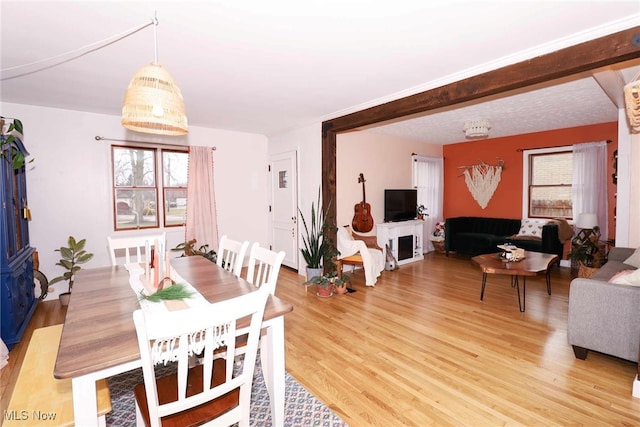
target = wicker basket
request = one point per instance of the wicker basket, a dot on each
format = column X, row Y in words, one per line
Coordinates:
column 439, row 246
column 585, row 272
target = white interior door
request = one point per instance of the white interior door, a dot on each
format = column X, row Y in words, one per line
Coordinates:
column 284, row 229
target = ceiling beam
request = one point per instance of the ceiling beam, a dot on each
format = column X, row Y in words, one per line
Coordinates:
column 601, row 52
column 586, row 56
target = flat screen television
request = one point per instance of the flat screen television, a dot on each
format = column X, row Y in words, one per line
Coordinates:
column 400, row 205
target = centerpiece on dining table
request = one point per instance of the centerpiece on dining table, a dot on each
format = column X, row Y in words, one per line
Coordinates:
column 157, row 284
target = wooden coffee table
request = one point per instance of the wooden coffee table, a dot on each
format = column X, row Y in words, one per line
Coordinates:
column 533, row 264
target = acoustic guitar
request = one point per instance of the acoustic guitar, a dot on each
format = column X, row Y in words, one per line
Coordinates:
column 362, row 219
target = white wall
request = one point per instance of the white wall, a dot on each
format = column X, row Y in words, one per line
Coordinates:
column 385, row 162
column 634, row 193
column 69, row 182
column 307, row 141
column 627, row 190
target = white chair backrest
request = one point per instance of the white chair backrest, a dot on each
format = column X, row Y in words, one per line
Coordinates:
column 133, row 245
column 264, row 267
column 231, row 255
column 174, row 336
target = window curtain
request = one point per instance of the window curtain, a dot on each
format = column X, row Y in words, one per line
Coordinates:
column 589, row 184
column 428, row 179
column 202, row 222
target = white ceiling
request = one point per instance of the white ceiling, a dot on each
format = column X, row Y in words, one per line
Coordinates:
column 269, row 66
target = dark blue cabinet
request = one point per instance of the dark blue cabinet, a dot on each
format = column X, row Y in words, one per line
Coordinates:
column 17, row 297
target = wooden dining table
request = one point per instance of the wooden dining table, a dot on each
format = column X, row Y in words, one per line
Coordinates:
column 99, row 338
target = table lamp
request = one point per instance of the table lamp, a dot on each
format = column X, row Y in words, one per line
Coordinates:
column 587, row 221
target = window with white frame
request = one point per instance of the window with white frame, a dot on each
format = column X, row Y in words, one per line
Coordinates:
column 145, row 178
column 547, row 183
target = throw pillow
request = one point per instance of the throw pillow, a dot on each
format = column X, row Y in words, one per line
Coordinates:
column 634, row 259
column 531, row 227
column 626, row 277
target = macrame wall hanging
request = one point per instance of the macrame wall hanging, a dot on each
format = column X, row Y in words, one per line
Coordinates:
column 482, row 180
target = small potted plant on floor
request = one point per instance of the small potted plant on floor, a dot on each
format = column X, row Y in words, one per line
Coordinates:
column 72, row 255
column 329, row 283
column 324, row 283
column 342, row 284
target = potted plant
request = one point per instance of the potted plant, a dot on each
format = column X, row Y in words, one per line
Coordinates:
column 324, row 284
column 421, row 211
column 329, row 283
column 189, row 249
column 437, row 237
column 586, row 256
column 7, row 138
column 72, row 255
column 316, row 247
column 341, row 284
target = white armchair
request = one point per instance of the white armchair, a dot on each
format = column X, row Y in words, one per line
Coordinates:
column 359, row 251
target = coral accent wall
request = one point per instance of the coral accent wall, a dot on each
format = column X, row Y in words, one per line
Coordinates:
column 507, row 199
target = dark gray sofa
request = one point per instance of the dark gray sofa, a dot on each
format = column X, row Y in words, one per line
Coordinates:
column 604, row 316
column 476, row 235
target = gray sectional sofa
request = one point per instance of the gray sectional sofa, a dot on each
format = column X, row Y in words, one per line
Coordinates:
column 603, row 316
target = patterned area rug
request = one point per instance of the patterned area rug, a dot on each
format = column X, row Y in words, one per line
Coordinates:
column 301, row 407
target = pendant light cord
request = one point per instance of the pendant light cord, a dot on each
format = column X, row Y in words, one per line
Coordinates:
column 155, row 39
column 74, row 54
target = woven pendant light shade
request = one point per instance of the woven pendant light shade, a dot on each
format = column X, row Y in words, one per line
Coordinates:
column 476, row 129
column 153, row 103
column 632, row 104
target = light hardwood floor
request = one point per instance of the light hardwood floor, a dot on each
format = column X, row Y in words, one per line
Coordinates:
column 422, row 349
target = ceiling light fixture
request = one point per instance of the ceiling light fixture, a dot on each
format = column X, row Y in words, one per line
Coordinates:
column 632, row 103
column 153, row 102
column 474, row 129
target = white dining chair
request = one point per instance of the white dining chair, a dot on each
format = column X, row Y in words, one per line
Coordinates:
column 207, row 392
column 264, row 267
column 231, row 254
column 133, row 246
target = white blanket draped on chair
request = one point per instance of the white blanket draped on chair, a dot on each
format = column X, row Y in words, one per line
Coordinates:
column 372, row 259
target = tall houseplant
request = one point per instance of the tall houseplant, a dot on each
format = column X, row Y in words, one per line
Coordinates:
column 316, row 247
column 6, row 139
column 72, row 256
